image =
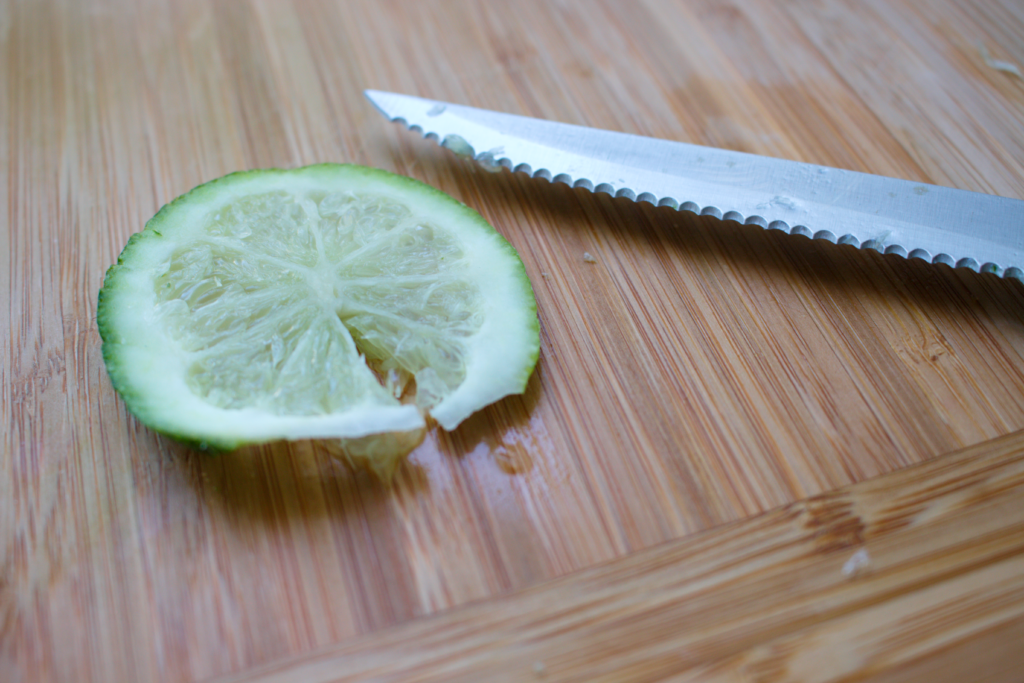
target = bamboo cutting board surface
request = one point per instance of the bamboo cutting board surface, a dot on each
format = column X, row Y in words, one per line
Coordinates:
column 698, row 375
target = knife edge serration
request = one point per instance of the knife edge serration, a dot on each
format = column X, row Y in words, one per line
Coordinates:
column 492, row 160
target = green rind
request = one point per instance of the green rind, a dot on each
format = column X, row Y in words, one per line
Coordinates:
column 114, row 348
column 118, row 373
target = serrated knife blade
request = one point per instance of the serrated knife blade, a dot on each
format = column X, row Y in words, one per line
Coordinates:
column 916, row 220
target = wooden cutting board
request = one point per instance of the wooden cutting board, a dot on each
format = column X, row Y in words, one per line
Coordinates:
column 743, row 456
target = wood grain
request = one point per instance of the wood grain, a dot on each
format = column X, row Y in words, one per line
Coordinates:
column 772, row 597
column 698, row 373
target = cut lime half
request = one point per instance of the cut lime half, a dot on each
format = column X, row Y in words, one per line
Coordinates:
column 298, row 304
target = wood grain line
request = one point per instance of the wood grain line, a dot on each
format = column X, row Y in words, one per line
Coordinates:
column 774, row 597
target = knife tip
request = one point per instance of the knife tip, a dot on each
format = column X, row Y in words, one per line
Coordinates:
column 376, row 98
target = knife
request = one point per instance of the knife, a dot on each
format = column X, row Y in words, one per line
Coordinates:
column 942, row 225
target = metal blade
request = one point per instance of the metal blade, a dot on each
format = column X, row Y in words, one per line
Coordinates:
column 938, row 224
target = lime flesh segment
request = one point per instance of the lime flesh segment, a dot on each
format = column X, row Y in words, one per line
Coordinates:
column 243, row 312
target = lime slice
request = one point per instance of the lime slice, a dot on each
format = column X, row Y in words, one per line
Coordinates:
column 307, row 303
